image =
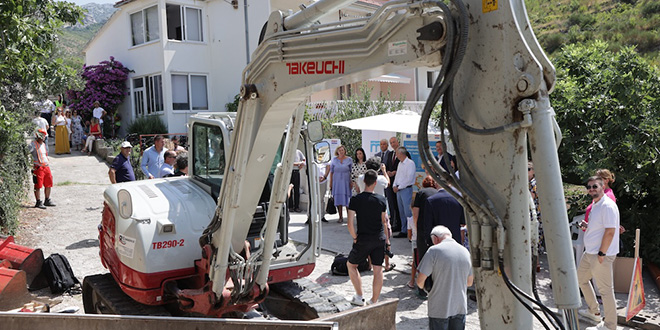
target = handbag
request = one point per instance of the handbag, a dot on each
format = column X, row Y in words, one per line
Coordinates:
column 330, row 206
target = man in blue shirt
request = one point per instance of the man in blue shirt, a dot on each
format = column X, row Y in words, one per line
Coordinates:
column 153, row 158
column 121, row 169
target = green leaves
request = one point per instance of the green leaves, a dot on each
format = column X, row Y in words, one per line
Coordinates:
column 358, row 105
column 608, row 107
column 27, row 66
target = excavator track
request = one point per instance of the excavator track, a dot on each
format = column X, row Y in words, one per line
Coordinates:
column 303, row 299
column 101, row 295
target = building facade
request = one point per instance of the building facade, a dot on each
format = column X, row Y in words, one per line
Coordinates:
column 188, row 56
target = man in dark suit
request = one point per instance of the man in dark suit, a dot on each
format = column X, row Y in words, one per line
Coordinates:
column 391, row 164
column 441, row 158
column 382, row 154
column 443, row 209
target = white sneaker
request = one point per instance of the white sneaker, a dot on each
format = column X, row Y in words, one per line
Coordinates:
column 589, row 315
column 357, row 300
column 600, row 326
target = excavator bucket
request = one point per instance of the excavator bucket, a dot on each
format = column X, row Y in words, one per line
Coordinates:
column 13, row 287
column 21, row 257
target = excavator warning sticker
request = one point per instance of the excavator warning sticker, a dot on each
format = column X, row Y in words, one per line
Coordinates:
column 488, row 5
column 126, row 246
column 397, row 48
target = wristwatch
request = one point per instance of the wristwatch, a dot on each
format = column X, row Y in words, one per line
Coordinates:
column 601, row 254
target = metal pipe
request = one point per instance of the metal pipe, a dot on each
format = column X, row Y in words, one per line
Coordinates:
column 551, row 198
column 247, row 32
column 308, row 16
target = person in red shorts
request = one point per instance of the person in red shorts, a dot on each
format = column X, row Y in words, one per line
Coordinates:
column 41, row 175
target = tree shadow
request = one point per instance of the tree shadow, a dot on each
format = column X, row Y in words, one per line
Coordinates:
column 86, row 243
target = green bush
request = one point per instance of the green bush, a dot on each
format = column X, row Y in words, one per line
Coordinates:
column 147, row 125
column 649, row 8
column 358, row 105
column 608, row 107
column 14, row 166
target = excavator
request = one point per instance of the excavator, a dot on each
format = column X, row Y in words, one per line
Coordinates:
column 493, row 86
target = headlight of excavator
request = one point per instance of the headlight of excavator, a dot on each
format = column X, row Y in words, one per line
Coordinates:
column 125, row 204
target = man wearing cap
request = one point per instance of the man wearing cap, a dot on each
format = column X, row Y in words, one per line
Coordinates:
column 121, row 169
column 41, row 175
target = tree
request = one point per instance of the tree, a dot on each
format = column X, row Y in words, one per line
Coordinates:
column 358, row 105
column 104, row 83
column 27, row 67
column 608, row 106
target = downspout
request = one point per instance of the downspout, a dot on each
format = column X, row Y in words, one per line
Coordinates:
column 247, row 32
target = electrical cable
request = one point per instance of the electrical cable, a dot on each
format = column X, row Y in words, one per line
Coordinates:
column 538, row 303
column 535, row 259
column 515, row 291
column 443, row 87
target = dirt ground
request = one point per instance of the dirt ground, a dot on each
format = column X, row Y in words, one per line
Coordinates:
column 70, row 229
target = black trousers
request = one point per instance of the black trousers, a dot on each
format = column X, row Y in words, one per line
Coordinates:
column 394, row 209
column 294, row 199
column 48, row 117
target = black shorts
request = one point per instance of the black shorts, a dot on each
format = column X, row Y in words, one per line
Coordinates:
column 375, row 248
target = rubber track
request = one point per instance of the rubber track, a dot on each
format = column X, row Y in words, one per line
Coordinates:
column 116, row 299
column 312, row 295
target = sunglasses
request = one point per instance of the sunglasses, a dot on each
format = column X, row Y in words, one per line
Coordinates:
column 593, row 187
column 529, row 169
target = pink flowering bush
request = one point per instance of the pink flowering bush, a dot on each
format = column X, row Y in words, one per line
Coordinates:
column 105, row 83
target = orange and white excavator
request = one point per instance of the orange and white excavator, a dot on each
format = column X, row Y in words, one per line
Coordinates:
column 182, row 241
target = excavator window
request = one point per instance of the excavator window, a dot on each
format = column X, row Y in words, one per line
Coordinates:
column 208, row 155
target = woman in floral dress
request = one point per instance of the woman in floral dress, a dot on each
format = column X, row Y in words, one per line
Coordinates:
column 76, row 127
column 359, row 168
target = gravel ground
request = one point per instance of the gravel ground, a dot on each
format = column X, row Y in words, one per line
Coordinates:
column 70, row 229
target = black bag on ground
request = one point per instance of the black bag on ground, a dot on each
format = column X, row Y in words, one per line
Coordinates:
column 340, row 268
column 59, row 274
column 330, row 208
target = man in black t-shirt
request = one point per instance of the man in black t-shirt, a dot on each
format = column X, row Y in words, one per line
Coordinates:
column 370, row 238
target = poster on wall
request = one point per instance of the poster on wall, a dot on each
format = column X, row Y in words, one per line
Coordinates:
column 409, row 141
column 334, row 143
column 371, row 141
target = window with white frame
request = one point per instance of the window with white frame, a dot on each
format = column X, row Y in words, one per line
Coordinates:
column 147, row 95
column 184, row 23
column 144, row 25
column 189, row 92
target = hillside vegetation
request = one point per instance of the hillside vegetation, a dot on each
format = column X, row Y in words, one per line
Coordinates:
column 619, row 22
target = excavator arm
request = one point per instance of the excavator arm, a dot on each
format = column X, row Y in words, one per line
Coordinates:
column 494, row 83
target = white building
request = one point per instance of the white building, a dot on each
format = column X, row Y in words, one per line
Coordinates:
column 188, row 55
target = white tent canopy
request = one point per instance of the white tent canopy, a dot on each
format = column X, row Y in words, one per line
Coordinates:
column 402, row 121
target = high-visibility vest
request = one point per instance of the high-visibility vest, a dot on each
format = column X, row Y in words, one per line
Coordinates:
column 39, row 154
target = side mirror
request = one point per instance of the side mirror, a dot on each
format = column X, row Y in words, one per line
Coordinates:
column 322, row 152
column 315, row 131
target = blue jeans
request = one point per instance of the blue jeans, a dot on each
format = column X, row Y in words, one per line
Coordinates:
column 403, row 200
column 456, row 322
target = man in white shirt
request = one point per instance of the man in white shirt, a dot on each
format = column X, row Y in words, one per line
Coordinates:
column 168, row 165
column 42, row 123
column 46, row 109
column 601, row 245
column 402, row 186
column 99, row 113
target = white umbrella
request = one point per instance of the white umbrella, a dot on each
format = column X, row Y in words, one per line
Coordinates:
column 402, row 121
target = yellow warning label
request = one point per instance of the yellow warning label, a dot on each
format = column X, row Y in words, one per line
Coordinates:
column 488, row 5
